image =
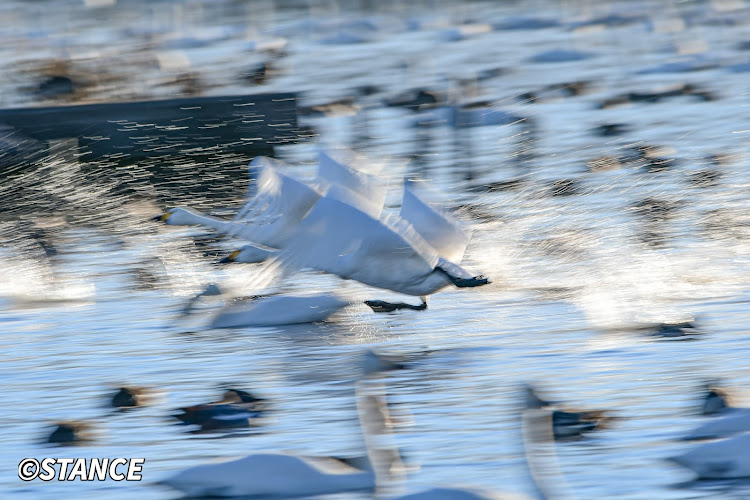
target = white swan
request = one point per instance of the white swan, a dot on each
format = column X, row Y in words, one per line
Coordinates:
column 403, row 254
column 281, row 475
column 725, row 459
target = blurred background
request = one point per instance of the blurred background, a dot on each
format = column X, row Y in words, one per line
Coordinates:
column 596, row 150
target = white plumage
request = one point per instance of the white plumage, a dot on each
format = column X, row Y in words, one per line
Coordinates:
column 409, row 254
column 271, row 475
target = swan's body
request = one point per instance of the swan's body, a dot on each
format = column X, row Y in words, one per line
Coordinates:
column 731, row 421
column 725, row 459
column 272, row 475
column 281, row 475
column 339, row 239
column 407, row 254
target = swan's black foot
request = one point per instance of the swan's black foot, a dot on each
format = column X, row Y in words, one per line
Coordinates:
column 383, row 306
column 469, row 282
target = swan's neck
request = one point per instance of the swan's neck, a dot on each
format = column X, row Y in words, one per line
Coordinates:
column 198, row 219
column 541, row 459
column 383, row 458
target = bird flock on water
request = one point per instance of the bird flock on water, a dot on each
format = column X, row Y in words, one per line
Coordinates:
column 335, row 224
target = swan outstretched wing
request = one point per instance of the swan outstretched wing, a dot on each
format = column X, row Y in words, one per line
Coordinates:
column 355, row 199
column 340, row 168
column 279, row 203
column 444, row 234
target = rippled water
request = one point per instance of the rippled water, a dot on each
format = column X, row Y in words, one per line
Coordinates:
column 578, row 280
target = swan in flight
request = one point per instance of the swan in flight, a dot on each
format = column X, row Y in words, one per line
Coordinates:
column 412, row 254
column 280, row 475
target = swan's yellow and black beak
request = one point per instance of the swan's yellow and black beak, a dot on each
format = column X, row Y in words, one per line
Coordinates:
column 162, row 218
column 230, row 257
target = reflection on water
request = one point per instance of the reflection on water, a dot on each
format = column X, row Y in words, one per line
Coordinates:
column 607, row 203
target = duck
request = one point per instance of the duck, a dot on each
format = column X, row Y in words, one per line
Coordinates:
column 715, row 399
column 286, row 475
column 131, row 397
column 70, row 432
column 237, row 408
column 412, row 254
column 566, row 424
column 724, row 459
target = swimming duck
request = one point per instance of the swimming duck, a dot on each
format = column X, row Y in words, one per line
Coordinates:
column 715, row 399
column 130, row 397
column 237, row 408
column 69, row 432
column 567, row 424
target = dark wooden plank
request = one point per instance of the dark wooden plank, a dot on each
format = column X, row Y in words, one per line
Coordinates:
column 185, row 126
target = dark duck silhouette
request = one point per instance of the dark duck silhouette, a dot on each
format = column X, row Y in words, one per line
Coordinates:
column 567, row 423
column 236, row 409
column 715, row 398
